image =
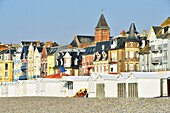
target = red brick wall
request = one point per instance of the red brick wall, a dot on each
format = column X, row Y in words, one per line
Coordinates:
column 102, row 35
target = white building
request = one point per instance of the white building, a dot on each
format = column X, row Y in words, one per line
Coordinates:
column 159, row 37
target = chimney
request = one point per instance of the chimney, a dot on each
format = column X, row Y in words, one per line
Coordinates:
column 123, row 33
column 144, row 32
column 49, row 44
column 38, row 43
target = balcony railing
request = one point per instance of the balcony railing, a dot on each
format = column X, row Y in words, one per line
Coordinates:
column 113, row 59
column 154, row 48
column 23, row 68
column 156, row 60
column 41, row 69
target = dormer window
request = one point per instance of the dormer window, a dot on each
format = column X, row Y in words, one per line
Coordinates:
column 103, row 47
column 114, row 43
column 98, row 56
column 131, row 44
column 75, row 61
column 104, row 55
column 57, row 62
column 126, row 45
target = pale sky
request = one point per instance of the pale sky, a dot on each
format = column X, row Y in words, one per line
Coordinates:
column 60, row 20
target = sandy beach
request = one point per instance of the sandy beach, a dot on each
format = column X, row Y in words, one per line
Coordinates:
column 83, row 105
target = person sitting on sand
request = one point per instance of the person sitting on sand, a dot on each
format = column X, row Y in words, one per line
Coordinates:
column 85, row 93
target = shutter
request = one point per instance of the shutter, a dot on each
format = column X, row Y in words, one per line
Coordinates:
column 132, row 90
column 100, row 90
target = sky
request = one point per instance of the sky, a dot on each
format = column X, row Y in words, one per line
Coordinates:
column 60, row 20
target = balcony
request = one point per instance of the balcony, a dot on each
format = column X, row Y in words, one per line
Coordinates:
column 113, row 59
column 154, row 48
column 42, row 69
column 23, row 68
column 156, row 60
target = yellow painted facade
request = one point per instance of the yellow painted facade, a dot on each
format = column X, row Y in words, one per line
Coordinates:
column 6, row 71
column 50, row 64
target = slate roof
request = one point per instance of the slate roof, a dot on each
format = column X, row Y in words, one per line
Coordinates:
column 60, row 48
column 26, row 43
column 120, row 43
column 52, row 50
column 40, row 48
column 100, row 48
column 89, row 50
column 12, row 51
column 73, row 55
column 132, row 34
column 102, row 24
column 85, row 39
column 74, row 43
column 156, row 29
column 24, row 52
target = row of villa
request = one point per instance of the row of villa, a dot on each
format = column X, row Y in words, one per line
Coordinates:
column 102, row 54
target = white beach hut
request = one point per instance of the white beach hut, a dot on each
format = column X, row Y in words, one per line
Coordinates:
column 11, row 87
column 74, row 84
column 49, row 87
column 3, row 90
column 148, row 84
column 102, row 85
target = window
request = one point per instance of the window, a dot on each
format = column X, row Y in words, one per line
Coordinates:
column 126, row 54
column 126, row 45
column 137, row 54
column 126, row 67
column 75, row 61
column 67, row 64
column 131, row 44
column 137, row 67
column 57, row 62
column 111, row 70
column 6, row 66
column 70, row 85
column 6, row 74
column 131, row 55
column 98, row 56
column 131, row 67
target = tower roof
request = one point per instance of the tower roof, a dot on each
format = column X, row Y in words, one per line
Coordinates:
column 102, row 24
column 132, row 34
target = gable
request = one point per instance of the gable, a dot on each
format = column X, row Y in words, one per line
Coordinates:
column 67, row 55
column 166, row 22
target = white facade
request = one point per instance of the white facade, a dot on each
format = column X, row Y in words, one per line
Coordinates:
column 17, row 66
column 136, row 84
column 37, row 63
column 160, row 48
column 30, row 62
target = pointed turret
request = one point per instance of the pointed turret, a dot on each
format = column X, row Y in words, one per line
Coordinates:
column 102, row 30
column 132, row 34
column 102, row 24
